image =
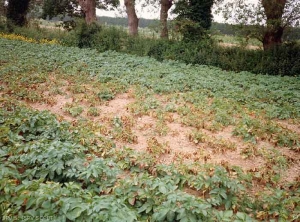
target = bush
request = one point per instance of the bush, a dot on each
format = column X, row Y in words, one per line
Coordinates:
column 3, row 27
column 138, row 45
column 190, row 30
column 159, row 49
column 109, row 38
column 86, row 34
column 95, row 36
column 282, row 60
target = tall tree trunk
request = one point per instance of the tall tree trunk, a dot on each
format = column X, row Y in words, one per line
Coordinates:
column 272, row 37
column 2, row 8
column 274, row 10
column 165, row 5
column 89, row 9
column 17, row 11
column 133, row 21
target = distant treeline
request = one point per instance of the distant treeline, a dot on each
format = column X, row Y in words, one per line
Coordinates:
column 225, row 29
column 221, row 28
column 122, row 21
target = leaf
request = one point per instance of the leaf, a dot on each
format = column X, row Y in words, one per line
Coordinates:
column 32, row 213
column 228, row 204
column 19, row 200
column 160, row 215
column 46, row 204
column 143, row 208
column 162, row 189
column 131, row 201
column 171, row 215
column 228, row 213
column 65, row 207
column 29, row 203
column 75, row 213
column 223, row 194
column 242, row 217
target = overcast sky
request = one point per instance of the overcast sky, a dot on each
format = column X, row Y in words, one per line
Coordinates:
column 147, row 12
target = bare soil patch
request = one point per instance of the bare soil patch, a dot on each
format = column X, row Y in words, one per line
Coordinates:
column 250, row 47
column 293, row 127
column 57, row 108
column 169, row 140
column 175, row 142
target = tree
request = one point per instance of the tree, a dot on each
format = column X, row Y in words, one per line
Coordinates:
column 279, row 15
column 133, row 21
column 266, row 21
column 165, row 6
column 198, row 11
column 85, row 8
column 274, row 11
column 194, row 16
column 16, row 12
column 88, row 8
column 2, row 8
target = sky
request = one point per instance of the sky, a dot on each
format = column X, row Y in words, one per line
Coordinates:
column 148, row 12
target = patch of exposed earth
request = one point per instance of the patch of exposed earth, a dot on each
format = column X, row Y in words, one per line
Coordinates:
column 176, row 139
column 250, row 47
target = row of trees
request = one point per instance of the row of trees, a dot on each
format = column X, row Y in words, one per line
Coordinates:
column 265, row 21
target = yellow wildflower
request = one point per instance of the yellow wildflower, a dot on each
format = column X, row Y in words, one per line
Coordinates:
column 26, row 39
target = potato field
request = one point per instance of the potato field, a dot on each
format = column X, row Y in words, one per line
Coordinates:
column 88, row 136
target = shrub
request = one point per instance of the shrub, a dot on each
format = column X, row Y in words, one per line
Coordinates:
column 109, row 38
column 86, row 34
column 159, row 49
column 3, row 27
column 138, row 45
column 283, row 60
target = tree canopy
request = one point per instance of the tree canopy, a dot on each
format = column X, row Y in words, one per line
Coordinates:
column 52, row 8
column 16, row 11
column 193, row 16
column 198, row 11
column 267, row 21
column 73, row 8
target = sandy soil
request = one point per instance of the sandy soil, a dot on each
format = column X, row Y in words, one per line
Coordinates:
column 176, row 139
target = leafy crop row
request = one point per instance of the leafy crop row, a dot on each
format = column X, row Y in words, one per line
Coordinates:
column 276, row 97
